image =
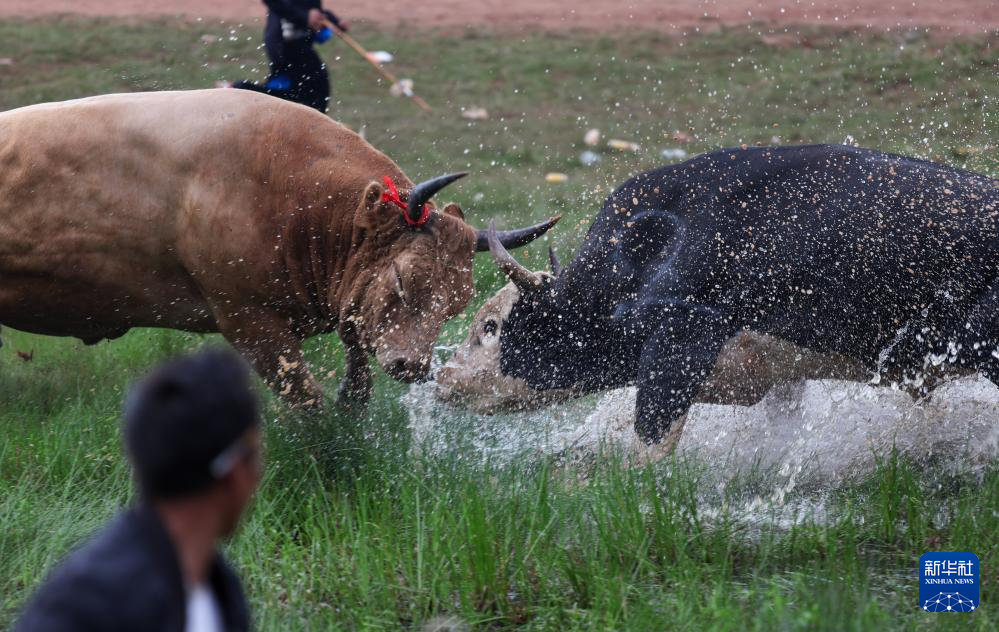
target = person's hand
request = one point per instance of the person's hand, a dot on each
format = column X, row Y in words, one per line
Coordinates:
column 337, row 22
column 316, row 20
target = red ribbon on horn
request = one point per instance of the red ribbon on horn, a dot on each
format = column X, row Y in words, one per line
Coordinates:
column 392, row 195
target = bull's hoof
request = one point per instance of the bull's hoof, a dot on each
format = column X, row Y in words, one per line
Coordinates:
column 649, row 434
column 664, row 440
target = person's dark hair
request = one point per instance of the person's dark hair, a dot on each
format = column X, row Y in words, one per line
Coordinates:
column 180, row 418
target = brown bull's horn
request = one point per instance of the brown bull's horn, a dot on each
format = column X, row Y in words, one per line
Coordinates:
column 556, row 266
column 422, row 193
column 514, row 238
column 523, row 278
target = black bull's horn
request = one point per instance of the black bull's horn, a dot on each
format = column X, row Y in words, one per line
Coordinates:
column 523, row 278
column 516, row 238
column 553, row 259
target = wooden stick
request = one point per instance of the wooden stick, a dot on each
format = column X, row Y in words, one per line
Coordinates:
column 367, row 56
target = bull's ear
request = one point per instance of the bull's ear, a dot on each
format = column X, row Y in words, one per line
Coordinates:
column 368, row 214
column 454, row 210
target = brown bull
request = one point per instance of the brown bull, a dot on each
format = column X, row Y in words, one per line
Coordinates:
column 232, row 212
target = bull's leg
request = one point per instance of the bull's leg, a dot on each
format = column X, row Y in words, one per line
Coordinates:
column 276, row 354
column 982, row 335
column 355, row 388
column 990, row 367
column 675, row 361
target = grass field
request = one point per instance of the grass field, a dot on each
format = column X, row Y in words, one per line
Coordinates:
column 351, row 530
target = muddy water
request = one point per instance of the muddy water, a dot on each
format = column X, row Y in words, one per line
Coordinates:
column 808, row 435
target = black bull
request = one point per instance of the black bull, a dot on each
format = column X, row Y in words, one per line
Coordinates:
column 888, row 260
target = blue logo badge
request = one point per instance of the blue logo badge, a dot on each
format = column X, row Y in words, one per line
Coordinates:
column 948, row 582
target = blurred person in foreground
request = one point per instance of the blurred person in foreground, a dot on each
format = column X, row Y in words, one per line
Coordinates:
column 296, row 72
column 192, row 433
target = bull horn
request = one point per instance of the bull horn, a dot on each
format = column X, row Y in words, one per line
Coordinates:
column 514, row 238
column 523, row 278
column 553, row 259
column 421, row 193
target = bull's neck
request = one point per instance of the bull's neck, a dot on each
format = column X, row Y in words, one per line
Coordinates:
column 318, row 249
column 587, row 295
column 588, row 335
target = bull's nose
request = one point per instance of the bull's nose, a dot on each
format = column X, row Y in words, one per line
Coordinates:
column 407, row 370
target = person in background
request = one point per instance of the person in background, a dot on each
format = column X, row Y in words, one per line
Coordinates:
column 296, row 71
column 192, row 434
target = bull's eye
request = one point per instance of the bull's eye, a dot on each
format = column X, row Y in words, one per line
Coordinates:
column 399, row 289
column 489, row 327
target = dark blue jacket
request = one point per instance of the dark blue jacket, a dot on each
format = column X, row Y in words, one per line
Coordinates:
column 293, row 58
column 296, row 11
column 127, row 578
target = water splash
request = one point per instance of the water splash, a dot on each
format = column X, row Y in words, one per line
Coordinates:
column 797, row 443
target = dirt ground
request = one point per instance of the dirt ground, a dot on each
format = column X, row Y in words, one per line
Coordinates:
column 955, row 16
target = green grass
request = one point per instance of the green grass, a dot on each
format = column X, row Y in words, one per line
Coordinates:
column 351, row 529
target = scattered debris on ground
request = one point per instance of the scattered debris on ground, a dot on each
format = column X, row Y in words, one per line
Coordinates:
column 381, row 56
column 785, row 40
column 475, row 114
column 623, row 145
column 965, row 151
column 402, row 88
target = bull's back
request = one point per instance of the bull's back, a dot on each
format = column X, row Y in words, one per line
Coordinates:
column 840, row 248
column 828, row 246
